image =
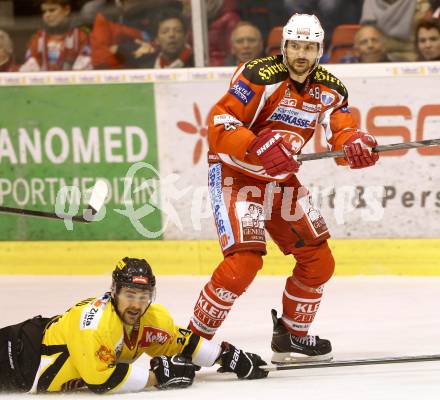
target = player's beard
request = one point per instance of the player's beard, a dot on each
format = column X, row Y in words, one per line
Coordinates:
column 300, row 66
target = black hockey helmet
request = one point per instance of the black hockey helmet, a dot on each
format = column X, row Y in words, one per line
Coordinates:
column 135, row 273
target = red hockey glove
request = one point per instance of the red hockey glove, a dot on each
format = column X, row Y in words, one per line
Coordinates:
column 358, row 152
column 273, row 153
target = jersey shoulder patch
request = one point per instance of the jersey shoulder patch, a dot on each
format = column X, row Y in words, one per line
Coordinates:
column 93, row 312
column 324, row 77
column 266, row 70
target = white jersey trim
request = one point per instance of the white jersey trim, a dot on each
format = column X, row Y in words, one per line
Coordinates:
column 207, row 354
column 137, row 376
column 45, row 362
column 268, row 91
column 237, row 74
column 301, row 299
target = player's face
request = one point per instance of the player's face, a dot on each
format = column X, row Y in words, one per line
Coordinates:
column 301, row 56
column 246, row 43
column 428, row 41
column 132, row 303
column 171, row 37
column 54, row 14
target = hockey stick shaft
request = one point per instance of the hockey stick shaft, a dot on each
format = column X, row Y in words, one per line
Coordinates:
column 377, row 149
column 97, row 199
column 352, row 363
column 40, row 214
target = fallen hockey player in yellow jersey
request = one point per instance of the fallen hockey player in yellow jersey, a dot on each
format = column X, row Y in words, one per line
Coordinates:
column 102, row 344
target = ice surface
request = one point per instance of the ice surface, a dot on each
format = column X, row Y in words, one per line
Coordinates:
column 364, row 317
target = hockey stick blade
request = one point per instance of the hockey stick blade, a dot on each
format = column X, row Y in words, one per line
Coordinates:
column 377, row 149
column 352, row 363
column 97, row 198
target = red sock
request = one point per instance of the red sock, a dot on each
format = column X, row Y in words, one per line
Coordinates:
column 211, row 310
column 300, row 304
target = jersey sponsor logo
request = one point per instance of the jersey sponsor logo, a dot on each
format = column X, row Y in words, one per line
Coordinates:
column 242, row 92
column 207, row 311
column 293, row 117
column 151, row 335
column 322, row 74
column 140, row 279
column 224, row 229
column 106, row 355
column 263, row 60
column 314, row 218
column 225, row 295
column 251, row 218
column 98, row 303
column 295, row 140
column 93, row 312
column 228, row 121
column 307, row 308
column 266, row 70
column 327, row 98
column 309, row 107
column 288, row 102
column 303, row 31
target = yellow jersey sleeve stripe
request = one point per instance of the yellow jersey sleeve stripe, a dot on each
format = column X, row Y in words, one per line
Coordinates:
column 118, row 376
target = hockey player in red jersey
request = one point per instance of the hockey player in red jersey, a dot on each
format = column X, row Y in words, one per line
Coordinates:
column 271, row 110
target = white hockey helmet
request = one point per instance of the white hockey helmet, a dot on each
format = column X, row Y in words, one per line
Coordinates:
column 304, row 27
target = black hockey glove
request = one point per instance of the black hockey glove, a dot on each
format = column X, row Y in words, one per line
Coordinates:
column 173, row 372
column 245, row 365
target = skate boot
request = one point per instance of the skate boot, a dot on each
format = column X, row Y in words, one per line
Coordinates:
column 288, row 348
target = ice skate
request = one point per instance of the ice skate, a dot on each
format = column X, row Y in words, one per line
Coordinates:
column 288, row 348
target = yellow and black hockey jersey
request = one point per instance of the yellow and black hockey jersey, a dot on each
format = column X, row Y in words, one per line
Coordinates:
column 89, row 342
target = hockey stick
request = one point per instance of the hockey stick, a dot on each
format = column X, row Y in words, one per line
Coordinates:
column 97, row 198
column 377, row 149
column 352, row 363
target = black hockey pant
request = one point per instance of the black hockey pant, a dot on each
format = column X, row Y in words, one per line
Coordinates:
column 20, row 351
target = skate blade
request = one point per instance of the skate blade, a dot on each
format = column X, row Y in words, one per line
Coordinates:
column 289, row 358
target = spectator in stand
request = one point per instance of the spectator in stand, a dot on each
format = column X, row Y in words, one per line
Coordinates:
column 7, row 63
column 59, row 46
column 428, row 40
column 170, row 35
column 120, row 39
column 91, row 8
column 397, row 20
column 369, row 45
column 330, row 12
column 246, row 43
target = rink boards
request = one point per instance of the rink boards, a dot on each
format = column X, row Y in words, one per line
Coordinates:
column 71, row 128
column 353, row 257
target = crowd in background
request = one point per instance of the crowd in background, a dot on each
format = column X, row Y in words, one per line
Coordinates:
column 50, row 35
